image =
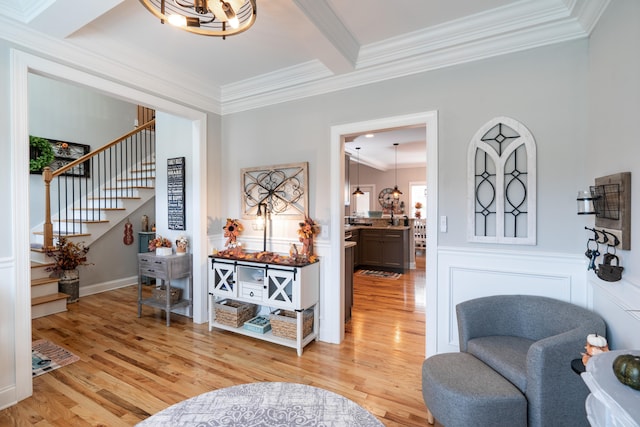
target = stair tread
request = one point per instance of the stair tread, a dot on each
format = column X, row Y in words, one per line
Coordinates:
column 43, row 281
column 99, row 209
column 133, row 187
column 141, row 178
column 59, row 235
column 116, row 198
column 48, row 298
column 82, row 221
column 36, row 264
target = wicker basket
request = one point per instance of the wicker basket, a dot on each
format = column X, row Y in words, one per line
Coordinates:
column 234, row 313
column 160, row 294
column 284, row 323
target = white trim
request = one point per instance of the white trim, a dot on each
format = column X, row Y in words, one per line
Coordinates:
column 21, row 65
column 334, row 283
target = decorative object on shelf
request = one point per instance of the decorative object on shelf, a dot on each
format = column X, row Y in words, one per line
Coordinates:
column 176, row 193
column 218, row 18
column 626, row 367
column 396, row 193
column 182, row 243
column 159, row 293
column 128, row 233
column 358, row 192
column 41, row 153
column 259, row 324
column 161, row 246
column 263, row 218
column 418, row 213
column 232, row 230
column 67, row 258
column 596, row 344
column 308, row 229
column 283, row 188
column 234, row 313
column 144, row 224
column 284, row 323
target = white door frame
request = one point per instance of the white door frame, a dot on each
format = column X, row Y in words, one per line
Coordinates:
column 334, row 322
column 21, row 65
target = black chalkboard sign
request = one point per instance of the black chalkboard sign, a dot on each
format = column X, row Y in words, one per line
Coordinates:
column 175, row 193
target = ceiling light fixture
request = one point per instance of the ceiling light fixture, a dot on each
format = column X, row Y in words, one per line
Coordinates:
column 396, row 193
column 218, row 18
column 358, row 192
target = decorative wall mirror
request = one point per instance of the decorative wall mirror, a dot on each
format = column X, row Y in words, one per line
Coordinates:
column 283, row 188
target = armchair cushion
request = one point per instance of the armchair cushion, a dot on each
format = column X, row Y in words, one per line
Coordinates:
column 505, row 354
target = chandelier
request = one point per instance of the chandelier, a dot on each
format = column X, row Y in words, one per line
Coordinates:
column 396, row 192
column 205, row 17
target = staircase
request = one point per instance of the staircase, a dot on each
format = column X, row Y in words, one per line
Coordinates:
column 97, row 204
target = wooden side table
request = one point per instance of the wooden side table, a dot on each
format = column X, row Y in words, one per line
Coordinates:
column 164, row 269
column 610, row 403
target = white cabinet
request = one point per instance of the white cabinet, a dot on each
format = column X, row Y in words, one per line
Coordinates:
column 270, row 286
column 611, row 403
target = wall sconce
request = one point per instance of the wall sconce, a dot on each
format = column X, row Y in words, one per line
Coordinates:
column 586, row 203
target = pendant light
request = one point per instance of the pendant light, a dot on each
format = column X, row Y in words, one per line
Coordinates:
column 358, row 192
column 396, row 193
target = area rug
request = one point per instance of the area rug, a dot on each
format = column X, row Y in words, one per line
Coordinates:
column 379, row 274
column 47, row 356
column 265, row 404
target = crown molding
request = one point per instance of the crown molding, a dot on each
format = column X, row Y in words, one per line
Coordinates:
column 48, row 47
column 24, row 10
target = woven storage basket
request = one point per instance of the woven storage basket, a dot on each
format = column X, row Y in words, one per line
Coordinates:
column 284, row 323
column 160, row 294
column 234, row 313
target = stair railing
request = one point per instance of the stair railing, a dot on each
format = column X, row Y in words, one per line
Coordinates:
column 110, row 165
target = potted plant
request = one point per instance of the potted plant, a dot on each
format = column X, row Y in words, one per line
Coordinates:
column 67, row 257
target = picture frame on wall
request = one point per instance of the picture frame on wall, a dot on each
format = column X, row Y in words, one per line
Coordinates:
column 65, row 153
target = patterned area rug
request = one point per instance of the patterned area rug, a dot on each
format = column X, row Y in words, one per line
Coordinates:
column 379, row 274
column 46, row 356
column 265, row 404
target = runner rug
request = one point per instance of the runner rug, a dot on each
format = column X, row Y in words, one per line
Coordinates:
column 46, row 356
column 379, row 274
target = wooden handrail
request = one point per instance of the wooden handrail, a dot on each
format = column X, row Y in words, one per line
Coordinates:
column 105, row 147
column 48, row 176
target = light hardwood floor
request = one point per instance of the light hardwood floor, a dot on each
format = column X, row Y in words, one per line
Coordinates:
column 131, row 368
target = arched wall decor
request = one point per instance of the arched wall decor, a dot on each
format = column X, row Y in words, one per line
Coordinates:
column 501, row 176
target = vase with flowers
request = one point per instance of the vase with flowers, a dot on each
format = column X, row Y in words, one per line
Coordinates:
column 161, row 245
column 67, row 257
column 181, row 245
column 308, row 229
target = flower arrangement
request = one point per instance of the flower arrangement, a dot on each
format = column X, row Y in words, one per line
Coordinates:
column 159, row 242
column 308, row 229
column 418, row 206
column 181, row 244
column 44, row 153
column 67, row 256
column 232, row 230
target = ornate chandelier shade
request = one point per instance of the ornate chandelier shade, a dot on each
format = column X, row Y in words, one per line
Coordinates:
column 218, row 18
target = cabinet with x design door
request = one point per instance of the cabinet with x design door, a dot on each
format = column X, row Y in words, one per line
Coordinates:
column 272, row 287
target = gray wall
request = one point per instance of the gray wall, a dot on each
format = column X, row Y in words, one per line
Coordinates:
column 614, row 109
column 545, row 89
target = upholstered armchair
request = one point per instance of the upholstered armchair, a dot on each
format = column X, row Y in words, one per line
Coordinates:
column 530, row 341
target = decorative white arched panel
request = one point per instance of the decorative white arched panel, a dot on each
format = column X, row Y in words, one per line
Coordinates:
column 501, row 175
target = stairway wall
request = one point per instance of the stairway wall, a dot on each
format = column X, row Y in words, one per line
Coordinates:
column 64, row 112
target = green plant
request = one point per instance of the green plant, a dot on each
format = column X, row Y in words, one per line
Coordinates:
column 44, row 153
column 627, row 370
column 67, row 256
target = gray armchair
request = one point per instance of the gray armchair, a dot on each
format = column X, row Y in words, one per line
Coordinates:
column 530, row 341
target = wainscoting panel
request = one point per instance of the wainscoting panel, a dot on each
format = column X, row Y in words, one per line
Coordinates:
column 619, row 304
column 465, row 274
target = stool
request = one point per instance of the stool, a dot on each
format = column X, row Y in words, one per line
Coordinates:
column 460, row 390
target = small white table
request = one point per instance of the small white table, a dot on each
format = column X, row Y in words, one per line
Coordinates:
column 610, row 403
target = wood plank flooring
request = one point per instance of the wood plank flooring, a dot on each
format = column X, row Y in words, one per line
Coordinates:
column 131, row 368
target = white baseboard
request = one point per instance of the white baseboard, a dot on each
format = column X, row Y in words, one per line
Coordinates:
column 107, row 286
column 8, row 397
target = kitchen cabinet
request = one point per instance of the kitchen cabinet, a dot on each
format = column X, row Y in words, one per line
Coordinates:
column 270, row 286
column 349, row 251
column 354, row 236
column 387, row 249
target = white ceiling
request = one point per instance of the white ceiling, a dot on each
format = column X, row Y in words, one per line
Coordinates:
column 296, row 48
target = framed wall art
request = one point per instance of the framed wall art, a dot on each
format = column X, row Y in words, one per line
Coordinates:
column 283, row 189
column 64, row 153
column 175, row 193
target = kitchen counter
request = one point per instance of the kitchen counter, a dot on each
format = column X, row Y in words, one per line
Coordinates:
column 349, row 244
column 348, row 227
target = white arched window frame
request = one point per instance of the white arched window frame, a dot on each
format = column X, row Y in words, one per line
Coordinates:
column 502, row 184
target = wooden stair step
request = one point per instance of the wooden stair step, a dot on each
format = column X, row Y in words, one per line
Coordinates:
column 48, row 298
column 99, row 209
column 59, row 235
column 35, row 264
column 133, row 187
column 116, row 198
column 82, row 221
column 44, row 281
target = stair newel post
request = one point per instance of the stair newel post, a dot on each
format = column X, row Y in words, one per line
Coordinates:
column 47, row 176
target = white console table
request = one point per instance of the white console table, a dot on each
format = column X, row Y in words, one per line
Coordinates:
column 270, row 286
column 611, row 403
